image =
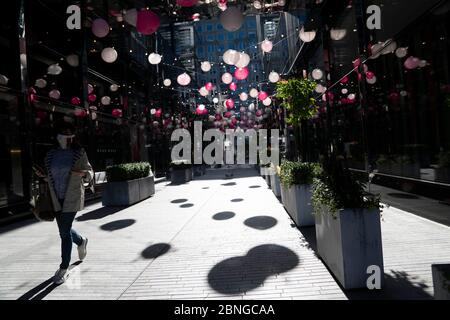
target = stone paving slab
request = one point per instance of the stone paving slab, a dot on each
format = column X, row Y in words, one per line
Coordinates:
column 212, row 238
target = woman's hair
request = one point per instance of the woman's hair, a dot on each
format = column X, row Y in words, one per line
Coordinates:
column 63, row 127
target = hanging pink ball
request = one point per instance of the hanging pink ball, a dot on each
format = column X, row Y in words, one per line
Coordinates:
column 218, row 117
column 187, row 3
column 209, row 86
column 92, row 97
column 258, row 113
column 229, row 103
column 357, row 63
column 227, row 115
column 241, row 73
column 117, row 113
column 147, row 22
column 262, row 96
column 370, row 75
column 100, row 28
column 344, row 79
column 158, row 113
column 75, row 100
column 80, row 113
column 233, row 86
column 412, row 63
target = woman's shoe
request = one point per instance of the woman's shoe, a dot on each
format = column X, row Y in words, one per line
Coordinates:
column 60, row 276
column 82, row 249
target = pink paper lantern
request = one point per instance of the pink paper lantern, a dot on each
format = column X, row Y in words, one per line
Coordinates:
column 262, row 96
column 209, row 86
column 92, row 98
column 75, row 100
column 147, row 22
column 344, row 79
column 158, row 113
column 187, row 3
column 218, row 117
column 412, row 63
column 233, row 86
column 241, row 73
column 258, row 113
column 117, row 113
column 357, row 63
column 227, row 114
column 100, row 28
column 370, row 75
column 229, row 103
column 80, row 113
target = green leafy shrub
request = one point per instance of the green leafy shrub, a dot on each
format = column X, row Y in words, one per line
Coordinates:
column 337, row 188
column 298, row 99
column 296, row 173
column 128, row 171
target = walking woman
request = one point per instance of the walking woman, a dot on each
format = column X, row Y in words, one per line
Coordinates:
column 68, row 169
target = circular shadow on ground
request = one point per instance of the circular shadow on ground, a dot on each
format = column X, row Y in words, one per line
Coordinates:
column 261, row 222
column 254, row 187
column 225, row 215
column 186, row 205
column 118, row 224
column 179, row 201
column 229, row 184
column 403, row 195
column 205, row 188
column 237, row 200
column 155, row 250
column 244, row 273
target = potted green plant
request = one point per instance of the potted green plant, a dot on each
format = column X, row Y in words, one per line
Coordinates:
column 296, row 180
column 443, row 168
column 348, row 229
column 275, row 180
column 180, row 171
column 128, row 183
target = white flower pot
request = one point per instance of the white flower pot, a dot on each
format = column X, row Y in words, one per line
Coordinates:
column 275, row 184
column 349, row 243
column 441, row 281
column 297, row 201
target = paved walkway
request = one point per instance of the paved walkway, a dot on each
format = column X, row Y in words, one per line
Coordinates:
column 213, row 238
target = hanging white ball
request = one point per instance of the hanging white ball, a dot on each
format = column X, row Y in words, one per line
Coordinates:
column 227, row 78
column 167, row 82
column 105, row 100
column 243, row 96
column 203, row 91
column 40, row 83
column 114, row 87
column 251, row 107
column 109, row 55
column 338, row 34
column 266, row 46
column 184, row 79
column 3, row 80
column 244, row 60
column 73, row 60
column 320, row 88
column 231, row 57
column 344, row 91
column 54, row 69
column 371, row 81
column 307, row 36
column 54, row 94
column 267, row 102
column 401, row 52
column 205, row 66
column 274, row 77
column 317, row 74
column 154, row 58
column 254, row 93
column 389, row 48
column 215, row 100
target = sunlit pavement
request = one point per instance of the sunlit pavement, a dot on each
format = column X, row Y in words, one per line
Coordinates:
column 213, row 238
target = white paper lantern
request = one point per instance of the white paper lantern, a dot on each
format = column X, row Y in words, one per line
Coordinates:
column 266, row 46
column 100, row 28
column 243, row 96
column 232, row 19
column 257, row 4
column 205, row 66
column 73, row 60
column 371, row 81
column 227, row 78
column 320, row 88
column 167, row 82
column 344, row 91
column 201, row 107
column 154, row 58
column 3, row 80
column 109, row 55
column 131, row 17
column 54, row 69
column 254, row 93
column 215, row 100
column 54, row 94
column 244, row 60
column 203, row 91
column 105, row 100
column 338, row 34
column 251, row 107
column 401, row 52
column 423, row 63
column 231, row 57
column 351, row 96
column 307, row 36
column 376, row 50
column 390, row 47
column 184, row 79
column 267, row 102
column 403, row 93
column 40, row 83
column 317, row 74
column 274, row 77
column 152, row 111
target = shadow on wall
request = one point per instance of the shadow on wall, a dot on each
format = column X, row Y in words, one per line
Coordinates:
column 244, row 273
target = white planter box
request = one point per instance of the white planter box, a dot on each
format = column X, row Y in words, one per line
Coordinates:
column 297, row 201
column 441, row 281
column 349, row 243
column 275, row 184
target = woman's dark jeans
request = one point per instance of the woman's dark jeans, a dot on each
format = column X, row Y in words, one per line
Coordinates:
column 68, row 235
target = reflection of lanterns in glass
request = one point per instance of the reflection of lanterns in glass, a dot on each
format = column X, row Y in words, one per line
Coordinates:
column 92, row 97
column 117, row 113
column 113, row 87
column 320, row 88
column 105, row 100
column 154, row 58
column 376, row 50
column 267, row 46
column 231, row 57
column 205, row 66
column 411, row 63
column 216, row 100
column 109, row 55
column 229, row 103
column 307, row 36
column 231, row 19
column 72, row 60
column 253, row 93
column 90, row 88
column 351, row 96
column 187, row 3
column 371, row 81
column 244, row 60
column 75, row 100
column 390, row 47
column 401, row 52
column 167, row 82
column 100, row 28
column 317, row 74
column 183, row 79
column 227, row 78
column 243, row 96
column 54, row 69
column 54, row 94
column 203, row 91
column 40, row 83
column 338, row 34
column 267, row 102
column 274, row 77
column 257, row 4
